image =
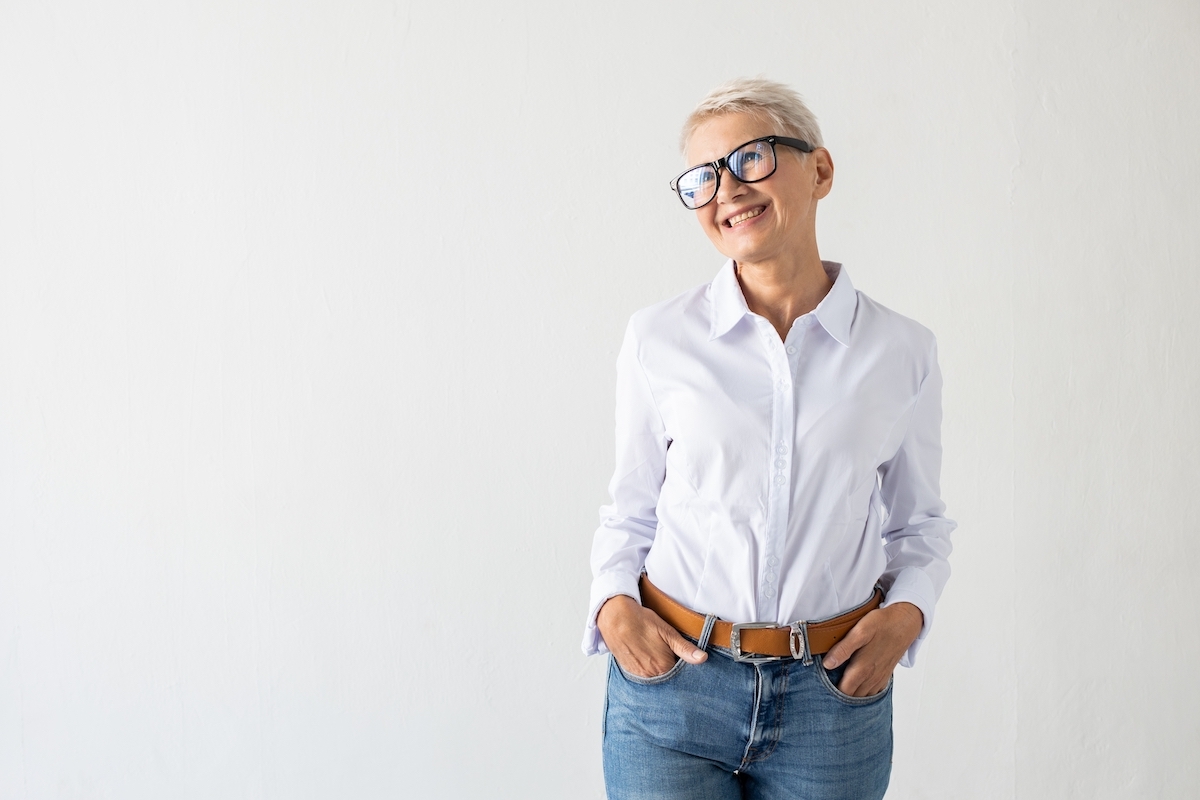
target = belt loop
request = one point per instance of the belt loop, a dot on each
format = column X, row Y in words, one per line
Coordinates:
column 709, row 622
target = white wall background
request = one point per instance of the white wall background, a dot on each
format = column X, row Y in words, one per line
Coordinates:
column 308, row 314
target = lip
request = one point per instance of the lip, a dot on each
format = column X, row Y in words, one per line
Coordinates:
column 746, row 222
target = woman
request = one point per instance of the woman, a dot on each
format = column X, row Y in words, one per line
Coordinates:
column 778, row 453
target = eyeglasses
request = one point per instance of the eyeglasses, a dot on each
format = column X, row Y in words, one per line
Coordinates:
column 752, row 162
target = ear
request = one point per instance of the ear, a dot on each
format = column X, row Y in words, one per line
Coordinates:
column 823, row 170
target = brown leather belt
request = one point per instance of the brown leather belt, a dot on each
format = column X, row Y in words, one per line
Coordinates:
column 752, row 640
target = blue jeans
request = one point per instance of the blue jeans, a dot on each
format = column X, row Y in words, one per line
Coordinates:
column 725, row 729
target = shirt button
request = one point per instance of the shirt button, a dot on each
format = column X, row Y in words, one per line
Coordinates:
column 781, row 449
column 783, row 385
column 768, row 591
column 772, row 561
column 780, row 463
column 780, row 480
column 769, row 577
column 791, row 350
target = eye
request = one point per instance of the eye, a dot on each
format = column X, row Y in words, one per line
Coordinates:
column 752, row 162
column 697, row 185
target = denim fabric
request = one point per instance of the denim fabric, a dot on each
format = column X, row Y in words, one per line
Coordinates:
column 724, row 729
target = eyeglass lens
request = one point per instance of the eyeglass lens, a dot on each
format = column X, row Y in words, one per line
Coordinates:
column 749, row 163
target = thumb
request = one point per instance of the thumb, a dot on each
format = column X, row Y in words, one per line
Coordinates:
column 681, row 646
column 842, row 650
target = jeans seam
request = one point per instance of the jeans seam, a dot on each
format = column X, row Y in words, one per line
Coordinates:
column 746, row 759
column 784, row 679
column 654, row 680
column 849, row 700
column 604, row 715
column 776, row 724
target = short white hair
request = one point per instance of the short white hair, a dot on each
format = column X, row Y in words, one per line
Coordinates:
column 777, row 102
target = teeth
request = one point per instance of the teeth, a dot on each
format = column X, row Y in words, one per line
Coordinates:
column 744, row 216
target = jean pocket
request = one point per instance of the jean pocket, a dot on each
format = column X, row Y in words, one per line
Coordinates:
column 832, row 677
column 653, row 680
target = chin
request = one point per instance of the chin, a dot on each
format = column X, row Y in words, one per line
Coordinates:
column 745, row 255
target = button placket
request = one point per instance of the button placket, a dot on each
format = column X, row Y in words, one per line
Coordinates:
column 779, row 487
column 781, row 356
column 786, row 356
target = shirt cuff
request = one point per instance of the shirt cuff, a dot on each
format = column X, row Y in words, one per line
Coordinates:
column 911, row 585
column 604, row 586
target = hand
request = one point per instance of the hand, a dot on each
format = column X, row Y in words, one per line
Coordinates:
column 643, row 644
column 873, row 648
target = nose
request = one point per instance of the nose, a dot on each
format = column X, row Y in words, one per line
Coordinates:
column 729, row 187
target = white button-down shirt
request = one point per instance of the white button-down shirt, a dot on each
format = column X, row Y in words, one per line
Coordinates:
column 773, row 481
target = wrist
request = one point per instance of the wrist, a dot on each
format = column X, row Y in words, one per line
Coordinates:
column 614, row 607
column 909, row 616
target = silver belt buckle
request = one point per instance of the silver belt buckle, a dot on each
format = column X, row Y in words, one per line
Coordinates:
column 798, row 643
column 735, row 642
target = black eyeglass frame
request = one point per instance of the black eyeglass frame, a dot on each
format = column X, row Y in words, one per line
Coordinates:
column 723, row 164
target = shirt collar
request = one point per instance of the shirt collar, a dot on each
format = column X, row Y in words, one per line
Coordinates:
column 728, row 302
column 835, row 312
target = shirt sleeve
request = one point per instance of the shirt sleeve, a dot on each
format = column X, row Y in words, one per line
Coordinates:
column 917, row 532
column 628, row 523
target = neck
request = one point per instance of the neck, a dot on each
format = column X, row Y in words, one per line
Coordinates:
column 783, row 289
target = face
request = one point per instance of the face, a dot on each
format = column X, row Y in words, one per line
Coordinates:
column 773, row 218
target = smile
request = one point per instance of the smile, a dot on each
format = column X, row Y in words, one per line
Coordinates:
column 745, row 215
